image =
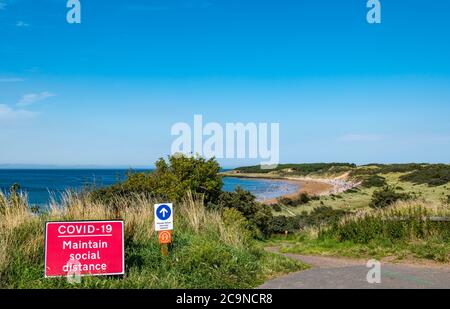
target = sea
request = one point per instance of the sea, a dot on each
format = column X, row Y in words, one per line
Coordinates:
column 41, row 185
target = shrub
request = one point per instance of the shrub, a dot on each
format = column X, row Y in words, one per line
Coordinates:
column 276, row 207
column 304, row 198
column 324, row 215
column 433, row 175
column 317, row 217
column 374, row 181
column 301, row 199
column 171, row 180
column 257, row 214
column 403, row 221
column 387, row 196
column 282, row 224
column 240, row 226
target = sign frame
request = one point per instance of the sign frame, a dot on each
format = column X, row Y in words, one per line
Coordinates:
column 85, row 221
column 158, row 222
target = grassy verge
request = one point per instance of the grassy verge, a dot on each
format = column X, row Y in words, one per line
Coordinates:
column 405, row 230
column 210, row 250
column 378, row 249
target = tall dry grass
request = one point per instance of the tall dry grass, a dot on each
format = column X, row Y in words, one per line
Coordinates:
column 14, row 212
column 136, row 211
column 229, row 225
column 405, row 220
column 20, row 227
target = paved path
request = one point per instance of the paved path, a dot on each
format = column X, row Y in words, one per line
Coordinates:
column 343, row 273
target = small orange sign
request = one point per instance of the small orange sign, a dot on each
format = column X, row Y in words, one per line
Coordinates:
column 165, row 237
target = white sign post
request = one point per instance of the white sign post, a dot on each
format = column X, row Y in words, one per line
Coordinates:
column 164, row 217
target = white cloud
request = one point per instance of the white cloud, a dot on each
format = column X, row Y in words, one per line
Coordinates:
column 34, row 97
column 361, row 138
column 8, row 113
column 10, row 79
column 21, row 23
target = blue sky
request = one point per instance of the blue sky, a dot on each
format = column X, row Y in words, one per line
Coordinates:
column 107, row 91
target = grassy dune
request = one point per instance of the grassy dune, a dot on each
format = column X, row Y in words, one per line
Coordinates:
column 401, row 230
column 398, row 176
column 210, row 250
column 354, row 200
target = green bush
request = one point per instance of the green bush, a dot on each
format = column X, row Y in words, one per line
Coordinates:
column 374, row 181
column 318, row 216
column 301, row 199
column 407, row 223
column 387, row 196
column 432, row 175
column 282, row 224
column 324, row 215
column 258, row 215
column 276, row 207
column 170, row 180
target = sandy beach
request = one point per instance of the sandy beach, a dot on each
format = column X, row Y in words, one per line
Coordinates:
column 312, row 186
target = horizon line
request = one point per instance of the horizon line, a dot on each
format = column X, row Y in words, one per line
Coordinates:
column 13, row 166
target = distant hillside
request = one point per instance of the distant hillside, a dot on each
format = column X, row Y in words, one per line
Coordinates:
column 417, row 173
column 302, row 169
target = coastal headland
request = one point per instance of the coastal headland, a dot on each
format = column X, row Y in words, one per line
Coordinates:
column 310, row 185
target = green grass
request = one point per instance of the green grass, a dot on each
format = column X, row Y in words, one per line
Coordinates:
column 396, row 232
column 401, row 231
column 370, row 233
column 353, row 201
column 378, row 249
column 206, row 252
column 432, row 175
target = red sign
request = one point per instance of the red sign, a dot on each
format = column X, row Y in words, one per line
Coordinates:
column 84, row 248
column 165, row 237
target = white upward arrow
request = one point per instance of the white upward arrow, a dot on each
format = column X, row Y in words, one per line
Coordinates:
column 163, row 212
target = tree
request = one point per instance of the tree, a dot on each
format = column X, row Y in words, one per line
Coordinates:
column 171, row 180
column 182, row 174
